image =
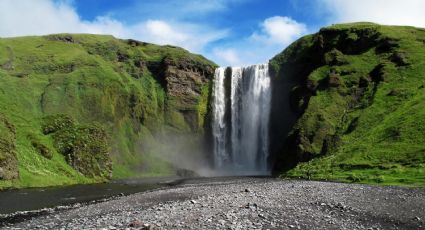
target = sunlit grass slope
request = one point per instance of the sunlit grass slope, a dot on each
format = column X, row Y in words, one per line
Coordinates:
column 99, row 81
column 359, row 93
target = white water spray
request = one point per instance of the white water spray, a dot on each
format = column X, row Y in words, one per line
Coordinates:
column 240, row 127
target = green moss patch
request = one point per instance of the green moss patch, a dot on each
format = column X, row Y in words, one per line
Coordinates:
column 85, row 147
column 8, row 161
column 363, row 105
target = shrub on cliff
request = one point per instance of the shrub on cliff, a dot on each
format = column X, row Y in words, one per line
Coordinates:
column 8, row 161
column 85, row 147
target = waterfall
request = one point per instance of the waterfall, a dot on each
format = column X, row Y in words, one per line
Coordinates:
column 241, row 110
column 219, row 126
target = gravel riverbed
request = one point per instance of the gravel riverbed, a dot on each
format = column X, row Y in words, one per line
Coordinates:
column 247, row 203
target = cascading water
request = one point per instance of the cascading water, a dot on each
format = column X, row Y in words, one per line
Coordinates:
column 219, row 126
column 241, row 109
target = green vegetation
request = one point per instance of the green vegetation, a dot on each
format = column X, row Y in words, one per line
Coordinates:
column 8, row 161
column 78, row 108
column 75, row 108
column 359, row 95
column 85, row 147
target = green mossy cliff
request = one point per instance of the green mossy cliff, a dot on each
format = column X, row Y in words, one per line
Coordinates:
column 349, row 105
column 8, row 161
column 85, row 108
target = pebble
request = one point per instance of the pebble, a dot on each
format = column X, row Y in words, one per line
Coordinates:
column 222, row 205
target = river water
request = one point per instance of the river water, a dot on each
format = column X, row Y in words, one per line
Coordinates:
column 37, row 198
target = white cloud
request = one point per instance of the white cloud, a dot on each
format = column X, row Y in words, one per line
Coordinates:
column 279, row 30
column 271, row 37
column 229, row 56
column 389, row 12
column 190, row 36
column 18, row 17
column 40, row 17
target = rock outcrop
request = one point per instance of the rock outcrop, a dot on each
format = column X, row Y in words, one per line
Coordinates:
column 120, row 101
column 187, row 84
column 332, row 103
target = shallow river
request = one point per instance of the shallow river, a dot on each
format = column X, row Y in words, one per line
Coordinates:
column 37, row 198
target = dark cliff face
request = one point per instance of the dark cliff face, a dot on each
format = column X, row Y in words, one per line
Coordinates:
column 309, row 66
column 187, row 85
column 117, row 100
column 332, row 90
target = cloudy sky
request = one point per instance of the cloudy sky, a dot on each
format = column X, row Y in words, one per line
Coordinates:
column 229, row 32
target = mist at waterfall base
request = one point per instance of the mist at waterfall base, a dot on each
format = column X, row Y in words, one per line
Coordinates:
column 240, row 104
column 240, row 120
column 185, row 153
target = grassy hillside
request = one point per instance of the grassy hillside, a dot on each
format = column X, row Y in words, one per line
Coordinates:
column 358, row 96
column 83, row 108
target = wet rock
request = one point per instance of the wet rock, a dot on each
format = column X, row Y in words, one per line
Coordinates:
column 67, row 38
column 312, row 85
column 379, row 73
column 149, row 227
column 334, row 80
column 399, row 59
column 136, row 224
column 276, row 205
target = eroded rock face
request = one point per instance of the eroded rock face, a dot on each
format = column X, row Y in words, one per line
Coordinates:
column 305, row 124
column 139, row 93
column 312, row 65
column 8, row 161
column 185, row 82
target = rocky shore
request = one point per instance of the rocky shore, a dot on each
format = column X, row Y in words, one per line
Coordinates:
column 247, row 203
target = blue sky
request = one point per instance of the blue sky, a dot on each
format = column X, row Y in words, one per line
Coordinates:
column 229, row 32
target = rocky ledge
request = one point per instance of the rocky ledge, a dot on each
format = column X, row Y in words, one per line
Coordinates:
column 248, row 203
